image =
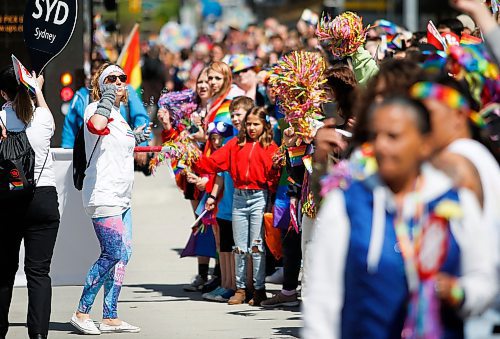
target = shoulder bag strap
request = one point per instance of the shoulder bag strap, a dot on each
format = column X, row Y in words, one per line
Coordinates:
column 91, row 154
column 40, row 174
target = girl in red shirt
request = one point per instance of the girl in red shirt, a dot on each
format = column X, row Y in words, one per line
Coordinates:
column 248, row 158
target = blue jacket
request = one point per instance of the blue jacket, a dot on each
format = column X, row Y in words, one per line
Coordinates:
column 357, row 274
column 77, row 106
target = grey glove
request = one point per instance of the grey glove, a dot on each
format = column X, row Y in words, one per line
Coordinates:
column 107, row 101
column 142, row 135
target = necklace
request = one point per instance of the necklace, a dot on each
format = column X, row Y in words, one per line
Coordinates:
column 423, row 240
column 407, row 235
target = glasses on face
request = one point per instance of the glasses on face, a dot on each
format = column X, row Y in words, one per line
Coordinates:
column 242, row 71
column 112, row 78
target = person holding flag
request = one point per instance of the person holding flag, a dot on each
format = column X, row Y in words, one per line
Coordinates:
column 485, row 21
column 32, row 216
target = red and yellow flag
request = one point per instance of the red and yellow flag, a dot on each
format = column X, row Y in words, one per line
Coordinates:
column 130, row 59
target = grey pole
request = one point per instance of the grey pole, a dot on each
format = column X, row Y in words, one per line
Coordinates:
column 410, row 14
column 339, row 4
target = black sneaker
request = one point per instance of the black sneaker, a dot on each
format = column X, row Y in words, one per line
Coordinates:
column 281, row 300
column 211, row 285
column 196, row 285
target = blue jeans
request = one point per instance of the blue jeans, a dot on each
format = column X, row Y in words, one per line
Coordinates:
column 115, row 238
column 248, row 215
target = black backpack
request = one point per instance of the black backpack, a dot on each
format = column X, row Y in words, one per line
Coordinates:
column 17, row 166
column 80, row 164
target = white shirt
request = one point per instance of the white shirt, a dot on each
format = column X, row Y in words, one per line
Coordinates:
column 110, row 175
column 489, row 173
column 39, row 131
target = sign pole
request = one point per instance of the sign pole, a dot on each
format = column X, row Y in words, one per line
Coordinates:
column 410, row 9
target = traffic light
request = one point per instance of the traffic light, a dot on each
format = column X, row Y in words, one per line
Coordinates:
column 66, row 79
column 66, row 92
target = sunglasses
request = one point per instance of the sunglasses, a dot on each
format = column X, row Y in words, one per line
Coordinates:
column 243, row 71
column 112, row 78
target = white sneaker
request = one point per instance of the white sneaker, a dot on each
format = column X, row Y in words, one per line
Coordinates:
column 123, row 327
column 277, row 277
column 86, row 326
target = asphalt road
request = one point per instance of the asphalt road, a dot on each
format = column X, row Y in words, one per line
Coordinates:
column 152, row 296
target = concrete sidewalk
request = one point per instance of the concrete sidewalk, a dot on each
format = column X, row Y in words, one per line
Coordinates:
column 152, row 297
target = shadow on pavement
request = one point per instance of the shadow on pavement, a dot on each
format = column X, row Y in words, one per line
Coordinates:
column 245, row 313
column 53, row 326
column 293, row 332
column 262, row 312
column 178, row 250
column 175, row 291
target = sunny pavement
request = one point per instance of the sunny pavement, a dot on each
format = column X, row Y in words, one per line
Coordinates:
column 152, row 297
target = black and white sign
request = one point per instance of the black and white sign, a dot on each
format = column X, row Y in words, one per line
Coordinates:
column 48, row 26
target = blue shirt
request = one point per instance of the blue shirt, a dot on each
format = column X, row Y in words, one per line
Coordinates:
column 375, row 303
column 225, row 207
column 74, row 118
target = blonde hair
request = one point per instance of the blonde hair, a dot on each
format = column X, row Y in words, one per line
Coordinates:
column 222, row 68
column 266, row 138
column 94, row 83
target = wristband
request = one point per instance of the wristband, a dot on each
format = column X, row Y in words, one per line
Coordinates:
column 212, row 196
column 456, row 294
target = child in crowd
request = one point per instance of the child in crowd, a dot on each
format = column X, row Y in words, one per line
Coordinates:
column 216, row 132
column 191, row 191
column 238, row 109
column 224, row 186
column 248, row 158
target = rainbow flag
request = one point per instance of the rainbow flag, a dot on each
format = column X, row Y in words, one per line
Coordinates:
column 468, row 39
column 296, row 153
column 130, row 59
column 177, row 166
column 389, row 27
column 395, row 41
column 16, row 185
column 223, row 113
column 24, row 76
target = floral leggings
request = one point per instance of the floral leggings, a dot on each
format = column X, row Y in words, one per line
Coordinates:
column 115, row 238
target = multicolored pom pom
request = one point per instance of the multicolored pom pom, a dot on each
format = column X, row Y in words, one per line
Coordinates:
column 343, row 35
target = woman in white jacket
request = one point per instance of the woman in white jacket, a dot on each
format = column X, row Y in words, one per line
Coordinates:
column 401, row 253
